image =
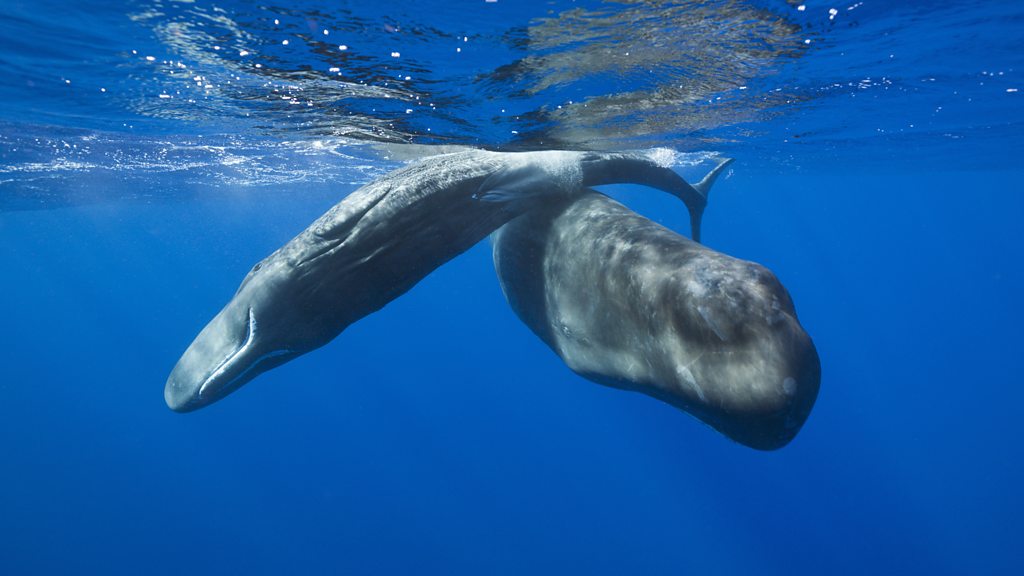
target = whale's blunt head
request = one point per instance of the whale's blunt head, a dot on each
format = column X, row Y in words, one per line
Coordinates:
column 266, row 323
column 759, row 368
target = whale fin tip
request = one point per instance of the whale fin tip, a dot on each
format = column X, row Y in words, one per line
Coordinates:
column 704, row 186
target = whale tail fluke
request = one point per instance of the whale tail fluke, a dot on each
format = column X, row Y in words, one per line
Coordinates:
column 638, row 168
column 704, row 188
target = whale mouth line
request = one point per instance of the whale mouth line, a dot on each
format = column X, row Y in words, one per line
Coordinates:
column 230, row 360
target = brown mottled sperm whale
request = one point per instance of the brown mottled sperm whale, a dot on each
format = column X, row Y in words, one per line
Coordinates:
column 628, row 303
column 378, row 243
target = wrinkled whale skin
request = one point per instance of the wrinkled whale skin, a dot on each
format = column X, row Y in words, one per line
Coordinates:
column 378, row 243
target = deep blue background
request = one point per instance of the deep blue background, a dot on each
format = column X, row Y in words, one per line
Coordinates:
column 439, row 435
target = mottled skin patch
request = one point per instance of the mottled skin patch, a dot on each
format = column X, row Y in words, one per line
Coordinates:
column 628, row 303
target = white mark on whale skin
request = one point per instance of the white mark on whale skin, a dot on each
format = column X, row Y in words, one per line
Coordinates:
column 789, row 386
column 686, row 375
column 703, row 311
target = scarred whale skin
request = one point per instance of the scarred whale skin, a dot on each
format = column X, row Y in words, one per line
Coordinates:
column 378, row 243
column 628, row 303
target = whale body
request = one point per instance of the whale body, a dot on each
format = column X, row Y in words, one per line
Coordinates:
column 378, row 243
column 628, row 303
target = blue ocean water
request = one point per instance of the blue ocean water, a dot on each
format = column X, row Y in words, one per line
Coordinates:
column 152, row 150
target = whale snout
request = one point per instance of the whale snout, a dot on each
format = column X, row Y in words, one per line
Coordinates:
column 227, row 354
column 214, row 363
column 778, row 403
column 180, row 395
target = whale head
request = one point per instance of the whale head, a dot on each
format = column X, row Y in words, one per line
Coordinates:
column 270, row 320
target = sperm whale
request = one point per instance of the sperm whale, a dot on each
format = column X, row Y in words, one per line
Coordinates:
column 628, row 303
column 376, row 244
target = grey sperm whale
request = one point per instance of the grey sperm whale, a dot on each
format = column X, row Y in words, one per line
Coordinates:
column 628, row 303
column 378, row 243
